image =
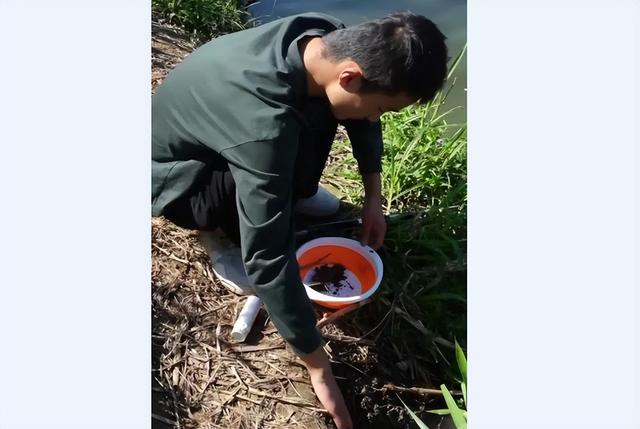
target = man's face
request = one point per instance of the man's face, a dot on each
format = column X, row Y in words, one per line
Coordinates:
column 348, row 102
column 371, row 105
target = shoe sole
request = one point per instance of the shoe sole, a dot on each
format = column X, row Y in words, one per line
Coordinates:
column 232, row 287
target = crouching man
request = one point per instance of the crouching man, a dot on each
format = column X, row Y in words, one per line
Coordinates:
column 241, row 131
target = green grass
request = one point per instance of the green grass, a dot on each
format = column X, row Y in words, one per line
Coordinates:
column 204, row 19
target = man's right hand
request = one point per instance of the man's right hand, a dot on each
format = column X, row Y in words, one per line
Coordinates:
column 326, row 388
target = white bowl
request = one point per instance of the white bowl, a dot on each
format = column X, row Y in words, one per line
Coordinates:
column 350, row 248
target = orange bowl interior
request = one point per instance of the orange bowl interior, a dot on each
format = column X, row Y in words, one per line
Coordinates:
column 353, row 261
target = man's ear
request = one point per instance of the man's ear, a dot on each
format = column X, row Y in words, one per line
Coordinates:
column 350, row 77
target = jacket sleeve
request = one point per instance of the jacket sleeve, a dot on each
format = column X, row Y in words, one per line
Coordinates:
column 366, row 141
column 263, row 196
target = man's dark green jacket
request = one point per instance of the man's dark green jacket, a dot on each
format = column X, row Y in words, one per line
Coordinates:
column 240, row 96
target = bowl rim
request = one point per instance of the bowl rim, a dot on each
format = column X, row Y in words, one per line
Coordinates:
column 364, row 250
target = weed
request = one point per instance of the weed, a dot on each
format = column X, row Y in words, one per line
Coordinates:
column 456, row 409
column 205, row 19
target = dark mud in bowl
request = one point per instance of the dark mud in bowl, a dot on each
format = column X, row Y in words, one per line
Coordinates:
column 338, row 272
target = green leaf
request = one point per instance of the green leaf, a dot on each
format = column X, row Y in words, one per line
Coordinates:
column 456, row 414
column 462, row 363
column 456, row 61
column 463, row 387
column 441, row 412
column 415, row 418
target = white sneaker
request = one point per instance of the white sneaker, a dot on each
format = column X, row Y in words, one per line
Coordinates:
column 323, row 203
column 226, row 262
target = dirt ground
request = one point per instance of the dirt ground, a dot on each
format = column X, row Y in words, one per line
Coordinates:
column 201, row 379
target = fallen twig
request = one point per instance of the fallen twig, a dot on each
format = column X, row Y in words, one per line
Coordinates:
column 164, row 419
column 417, row 390
column 343, row 311
column 170, row 255
column 348, row 339
column 247, row 349
column 419, row 326
column 170, row 384
column 287, row 400
column 237, row 396
column 347, row 364
column 235, row 372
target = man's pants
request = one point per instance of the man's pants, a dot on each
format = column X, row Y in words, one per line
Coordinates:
column 213, row 205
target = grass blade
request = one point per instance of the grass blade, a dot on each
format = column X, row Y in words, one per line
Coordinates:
column 415, row 418
column 463, row 387
column 456, row 413
column 441, row 412
column 462, row 363
column 456, row 61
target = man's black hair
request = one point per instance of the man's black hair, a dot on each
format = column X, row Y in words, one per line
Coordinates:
column 400, row 53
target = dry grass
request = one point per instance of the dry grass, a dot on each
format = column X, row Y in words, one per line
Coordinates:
column 210, row 381
column 169, row 46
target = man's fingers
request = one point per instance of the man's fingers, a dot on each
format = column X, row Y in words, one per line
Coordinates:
column 377, row 241
column 375, row 235
column 365, row 234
